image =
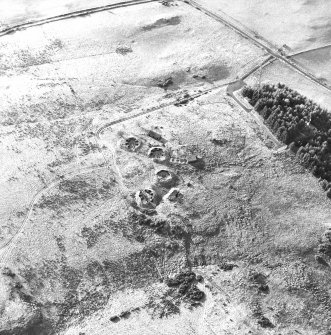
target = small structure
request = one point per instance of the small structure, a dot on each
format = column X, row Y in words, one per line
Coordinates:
column 196, row 161
column 165, row 83
column 174, row 195
column 166, row 179
column 286, row 47
column 219, row 141
column 163, row 175
column 157, row 153
column 155, row 135
column 191, row 159
column 132, row 143
column 176, row 160
column 145, row 198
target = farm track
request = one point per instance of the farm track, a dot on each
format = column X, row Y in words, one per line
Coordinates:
column 154, row 109
column 10, row 243
column 113, row 166
column 74, row 14
column 271, row 50
column 7, row 247
column 92, row 10
column 273, row 55
column 310, row 50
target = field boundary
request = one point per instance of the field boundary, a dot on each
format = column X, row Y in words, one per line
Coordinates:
column 271, row 49
column 74, row 14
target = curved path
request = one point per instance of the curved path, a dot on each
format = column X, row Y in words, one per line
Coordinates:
column 7, row 247
column 9, row 244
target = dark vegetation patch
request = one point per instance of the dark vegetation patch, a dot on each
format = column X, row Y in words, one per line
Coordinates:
column 8, row 272
column 181, row 288
column 165, row 83
column 110, row 226
column 185, row 283
column 298, row 122
column 88, row 147
column 159, row 226
column 37, row 324
column 115, row 319
column 164, row 307
column 324, row 248
column 26, row 57
column 213, row 73
column 169, row 3
column 125, row 314
column 173, row 21
column 264, row 322
column 81, row 300
column 17, row 288
column 258, row 280
column 92, row 234
column 76, row 189
column 123, row 50
column 65, row 158
column 226, row 266
column 259, row 316
column 60, row 243
column 202, row 257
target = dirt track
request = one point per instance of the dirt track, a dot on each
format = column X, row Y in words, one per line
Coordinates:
column 5, row 250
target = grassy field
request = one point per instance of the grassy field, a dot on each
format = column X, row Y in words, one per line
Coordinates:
column 63, row 80
column 300, row 24
column 19, row 12
column 248, row 205
column 278, row 72
column 318, row 63
column 78, row 255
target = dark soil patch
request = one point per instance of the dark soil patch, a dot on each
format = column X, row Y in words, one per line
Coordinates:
column 213, row 73
column 173, row 21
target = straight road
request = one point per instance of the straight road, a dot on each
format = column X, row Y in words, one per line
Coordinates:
column 272, row 51
column 71, row 15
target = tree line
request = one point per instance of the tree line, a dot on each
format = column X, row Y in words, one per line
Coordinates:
column 298, row 122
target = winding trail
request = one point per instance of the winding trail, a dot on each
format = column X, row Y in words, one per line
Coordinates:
column 114, row 166
column 7, row 247
column 10, row 243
